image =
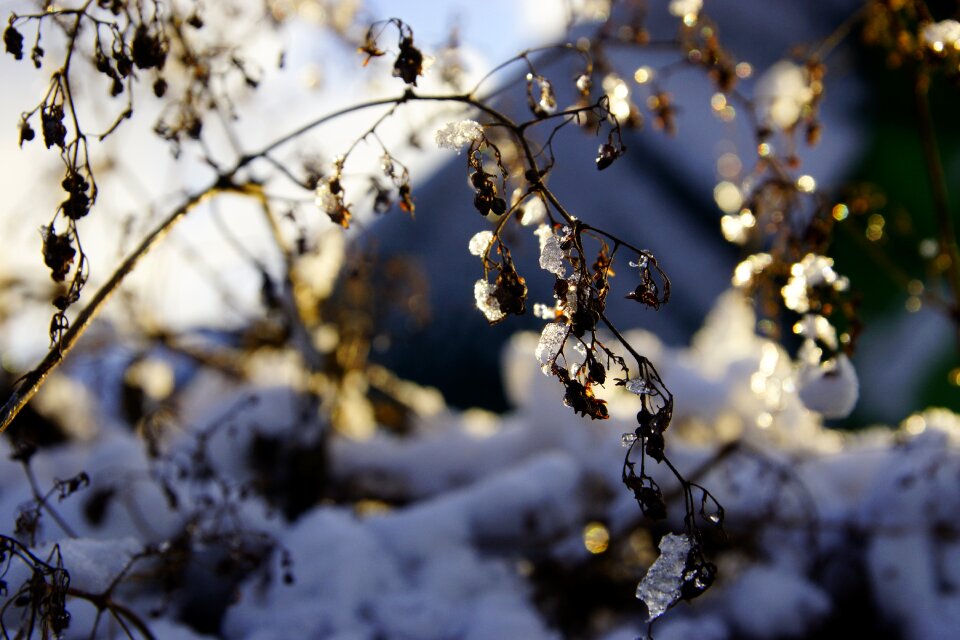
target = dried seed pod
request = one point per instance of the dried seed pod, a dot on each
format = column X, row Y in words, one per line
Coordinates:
column 409, row 63
column 26, row 132
column 54, row 132
column 13, row 41
column 606, row 155
column 58, row 253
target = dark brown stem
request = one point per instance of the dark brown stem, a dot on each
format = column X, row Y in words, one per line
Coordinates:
column 119, row 611
column 42, row 501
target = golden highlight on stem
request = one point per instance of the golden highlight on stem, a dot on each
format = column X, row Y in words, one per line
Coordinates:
column 32, row 381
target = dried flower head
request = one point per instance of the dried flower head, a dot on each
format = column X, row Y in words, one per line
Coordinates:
column 409, row 63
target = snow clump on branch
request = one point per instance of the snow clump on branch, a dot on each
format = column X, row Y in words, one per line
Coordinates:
column 660, row 588
column 782, row 93
column 483, row 293
column 683, row 8
column 454, row 135
column 943, row 35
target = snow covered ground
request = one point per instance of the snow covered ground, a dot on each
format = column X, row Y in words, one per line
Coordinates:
column 470, row 506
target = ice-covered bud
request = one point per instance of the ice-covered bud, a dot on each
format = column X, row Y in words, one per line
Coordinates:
column 479, row 242
column 551, row 255
column 455, row 135
column 660, row 588
column 483, row 293
column 584, row 84
column 782, row 93
column 831, row 388
column 568, row 301
column 941, row 36
column 542, row 97
column 550, row 344
column 684, row 8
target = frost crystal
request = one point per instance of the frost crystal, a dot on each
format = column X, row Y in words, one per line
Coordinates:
column 627, row 441
column 479, row 242
column 660, row 588
column 782, row 93
column 551, row 342
column 551, row 255
column 683, row 8
column 637, row 386
column 486, row 302
column 455, row 135
column 943, row 35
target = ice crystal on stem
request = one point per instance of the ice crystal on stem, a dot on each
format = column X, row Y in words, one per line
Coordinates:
column 550, row 344
column 551, row 255
column 638, row 386
column 455, row 135
column 479, row 242
column 483, row 292
column 660, row 588
column 542, row 98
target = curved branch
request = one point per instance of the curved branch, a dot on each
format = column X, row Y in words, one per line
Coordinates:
column 32, row 381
